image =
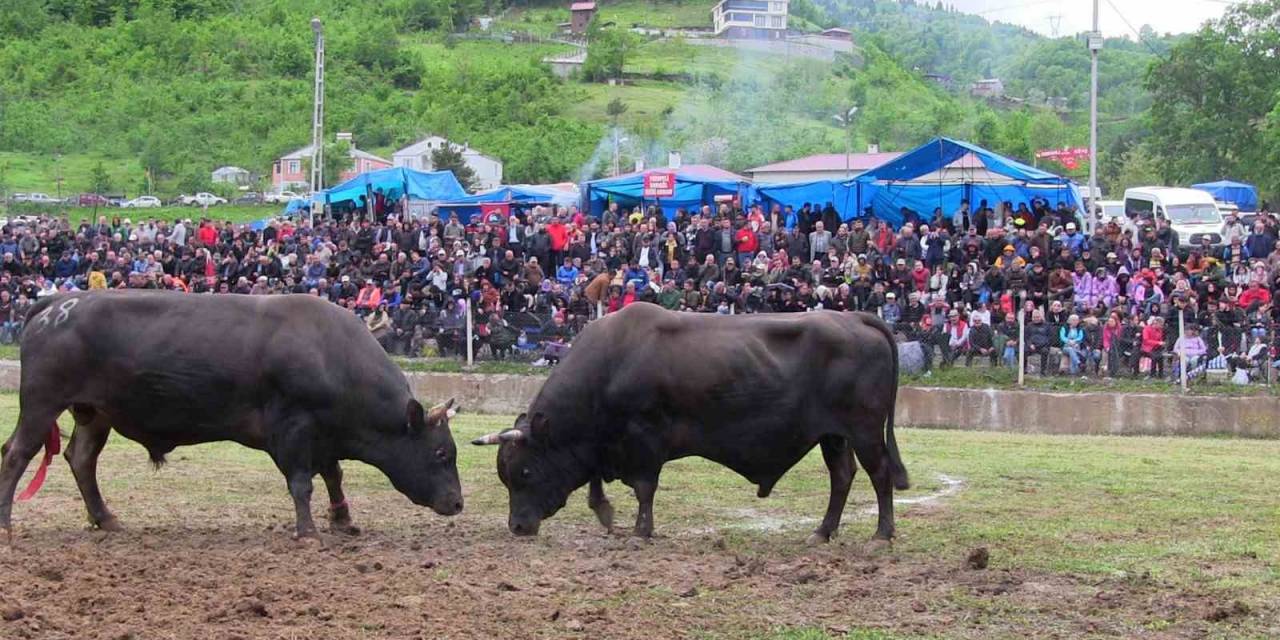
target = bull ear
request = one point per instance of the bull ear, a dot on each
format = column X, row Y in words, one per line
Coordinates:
column 415, row 418
column 540, row 427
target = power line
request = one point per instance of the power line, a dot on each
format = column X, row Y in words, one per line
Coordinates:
column 1136, row 33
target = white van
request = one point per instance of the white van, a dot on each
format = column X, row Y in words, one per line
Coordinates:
column 1191, row 212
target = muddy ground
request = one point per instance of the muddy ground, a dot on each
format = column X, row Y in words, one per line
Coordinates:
column 423, row 576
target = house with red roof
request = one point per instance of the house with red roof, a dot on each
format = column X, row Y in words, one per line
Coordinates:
column 581, row 14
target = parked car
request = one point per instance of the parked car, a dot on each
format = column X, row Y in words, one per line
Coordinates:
column 92, row 200
column 249, row 197
column 202, row 199
column 37, row 198
column 142, row 202
column 284, row 197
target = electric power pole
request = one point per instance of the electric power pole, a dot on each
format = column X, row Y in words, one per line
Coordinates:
column 317, row 117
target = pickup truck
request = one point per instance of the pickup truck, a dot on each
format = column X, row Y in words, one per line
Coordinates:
column 202, row 199
column 284, row 197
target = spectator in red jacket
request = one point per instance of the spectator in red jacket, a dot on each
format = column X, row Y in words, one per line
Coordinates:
column 746, row 243
column 559, row 239
column 1153, row 346
column 1255, row 293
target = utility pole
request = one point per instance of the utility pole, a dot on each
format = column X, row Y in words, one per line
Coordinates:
column 57, row 173
column 846, row 120
column 1095, row 46
column 317, row 118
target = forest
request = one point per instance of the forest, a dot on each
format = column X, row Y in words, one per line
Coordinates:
column 173, row 88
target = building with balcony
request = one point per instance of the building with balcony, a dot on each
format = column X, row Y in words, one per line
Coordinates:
column 762, row 19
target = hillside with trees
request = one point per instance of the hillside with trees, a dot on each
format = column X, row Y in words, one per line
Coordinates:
column 173, row 88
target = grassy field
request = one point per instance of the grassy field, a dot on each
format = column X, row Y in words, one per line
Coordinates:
column 232, row 212
column 1087, row 536
column 25, row 173
column 624, row 13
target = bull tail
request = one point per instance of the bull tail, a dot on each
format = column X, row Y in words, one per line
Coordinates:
column 897, row 470
column 52, row 446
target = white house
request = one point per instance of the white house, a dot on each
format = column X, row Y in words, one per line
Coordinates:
column 231, row 175
column 765, row 19
column 488, row 170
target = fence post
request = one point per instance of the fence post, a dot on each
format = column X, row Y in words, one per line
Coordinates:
column 471, row 356
column 1022, row 345
column 733, row 309
column 1182, row 353
column 599, row 309
column 1271, row 335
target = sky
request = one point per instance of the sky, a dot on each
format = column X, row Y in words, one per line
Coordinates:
column 1165, row 16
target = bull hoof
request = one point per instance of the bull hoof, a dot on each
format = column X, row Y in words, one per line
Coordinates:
column 877, row 545
column 604, row 513
column 345, row 528
column 109, row 523
column 817, row 538
column 311, row 541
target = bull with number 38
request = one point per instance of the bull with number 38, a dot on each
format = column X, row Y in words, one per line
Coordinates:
column 293, row 375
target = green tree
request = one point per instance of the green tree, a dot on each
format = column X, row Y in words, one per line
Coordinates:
column 607, row 51
column 615, row 109
column 1213, row 92
column 99, row 179
column 450, row 158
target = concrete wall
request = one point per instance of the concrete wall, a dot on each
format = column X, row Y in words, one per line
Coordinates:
column 969, row 409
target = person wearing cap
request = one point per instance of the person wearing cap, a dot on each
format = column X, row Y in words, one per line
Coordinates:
column 890, row 312
column 1071, row 240
column 1009, row 259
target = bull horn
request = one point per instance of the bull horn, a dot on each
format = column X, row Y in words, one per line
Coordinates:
column 447, row 407
column 510, row 435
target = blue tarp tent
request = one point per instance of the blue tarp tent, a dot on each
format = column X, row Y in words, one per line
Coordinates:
column 517, row 194
column 696, row 185
column 433, row 186
column 942, row 172
column 842, row 194
column 1242, row 195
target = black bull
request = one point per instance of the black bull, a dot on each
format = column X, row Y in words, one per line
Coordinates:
column 754, row 393
column 295, row 376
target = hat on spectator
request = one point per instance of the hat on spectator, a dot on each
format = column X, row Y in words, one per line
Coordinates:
column 1009, row 247
column 1111, row 254
column 890, row 296
column 1071, row 226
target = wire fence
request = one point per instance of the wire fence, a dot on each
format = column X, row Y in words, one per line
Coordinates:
column 1172, row 348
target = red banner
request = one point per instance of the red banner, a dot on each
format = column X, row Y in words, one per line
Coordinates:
column 659, row 184
column 1069, row 157
column 495, row 213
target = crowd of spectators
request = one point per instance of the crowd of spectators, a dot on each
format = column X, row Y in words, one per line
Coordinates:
column 1107, row 302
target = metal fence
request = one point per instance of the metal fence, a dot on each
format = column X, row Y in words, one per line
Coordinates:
column 1211, row 353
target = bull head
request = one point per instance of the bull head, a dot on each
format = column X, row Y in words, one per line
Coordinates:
column 509, row 435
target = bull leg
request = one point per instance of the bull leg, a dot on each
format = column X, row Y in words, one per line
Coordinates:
column 82, row 452
column 875, row 459
column 300, row 488
column 839, row 458
column 293, row 455
column 644, row 517
column 599, row 503
column 339, row 510
column 31, row 433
